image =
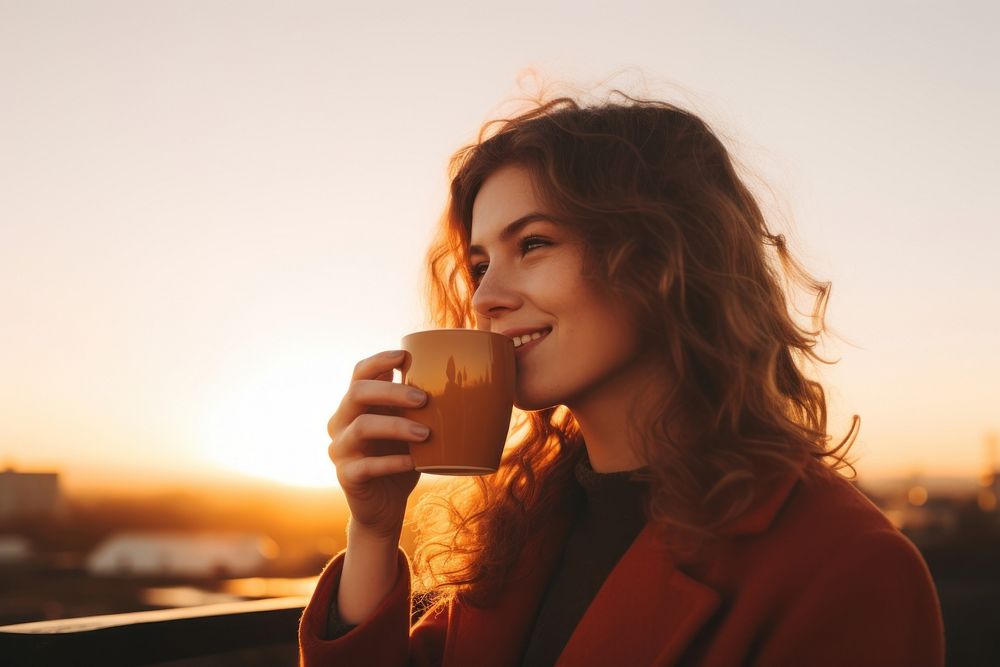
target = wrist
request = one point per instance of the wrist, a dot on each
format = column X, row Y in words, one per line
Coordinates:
column 371, row 569
column 361, row 534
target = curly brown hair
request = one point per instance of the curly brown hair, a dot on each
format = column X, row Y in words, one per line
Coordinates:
column 670, row 229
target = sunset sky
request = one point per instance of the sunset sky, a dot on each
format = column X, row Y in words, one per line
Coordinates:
column 210, row 211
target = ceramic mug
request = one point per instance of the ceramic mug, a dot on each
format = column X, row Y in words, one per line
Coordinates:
column 468, row 375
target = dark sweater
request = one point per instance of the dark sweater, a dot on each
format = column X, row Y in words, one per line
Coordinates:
column 608, row 521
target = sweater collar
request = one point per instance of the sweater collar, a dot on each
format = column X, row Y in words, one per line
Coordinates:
column 629, row 483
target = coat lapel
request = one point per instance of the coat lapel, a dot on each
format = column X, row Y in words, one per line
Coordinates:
column 648, row 611
column 644, row 597
column 496, row 636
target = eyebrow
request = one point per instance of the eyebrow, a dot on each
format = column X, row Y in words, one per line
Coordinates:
column 511, row 229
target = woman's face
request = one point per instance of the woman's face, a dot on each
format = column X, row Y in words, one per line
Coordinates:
column 530, row 279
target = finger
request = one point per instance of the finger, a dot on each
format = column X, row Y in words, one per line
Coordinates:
column 375, row 365
column 367, row 393
column 359, row 471
column 368, row 427
column 371, row 396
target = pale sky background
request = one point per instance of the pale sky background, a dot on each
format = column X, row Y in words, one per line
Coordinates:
column 210, row 211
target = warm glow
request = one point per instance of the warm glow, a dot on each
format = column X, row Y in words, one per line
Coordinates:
column 917, row 495
column 202, row 230
column 260, row 587
column 895, row 516
column 987, row 500
column 274, row 427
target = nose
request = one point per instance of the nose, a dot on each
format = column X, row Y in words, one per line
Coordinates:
column 495, row 295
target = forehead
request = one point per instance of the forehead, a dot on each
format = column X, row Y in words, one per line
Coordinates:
column 506, row 195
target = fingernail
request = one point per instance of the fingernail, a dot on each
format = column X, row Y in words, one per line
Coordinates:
column 416, row 395
column 420, row 430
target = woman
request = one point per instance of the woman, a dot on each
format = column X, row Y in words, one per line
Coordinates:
column 670, row 496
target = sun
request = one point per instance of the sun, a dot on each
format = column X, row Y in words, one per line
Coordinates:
column 273, row 427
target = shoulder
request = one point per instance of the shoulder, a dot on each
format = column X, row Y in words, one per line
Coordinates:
column 815, row 574
column 826, row 529
column 827, row 508
column 801, row 529
column 830, row 554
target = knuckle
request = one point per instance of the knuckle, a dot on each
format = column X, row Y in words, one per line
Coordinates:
column 346, row 472
column 342, row 443
column 363, row 426
column 360, row 471
column 363, row 468
column 352, row 391
column 356, row 391
column 338, row 444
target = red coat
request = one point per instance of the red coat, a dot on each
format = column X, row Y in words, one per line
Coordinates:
column 813, row 575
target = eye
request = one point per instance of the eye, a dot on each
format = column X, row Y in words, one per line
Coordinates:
column 527, row 244
column 530, row 242
column 477, row 272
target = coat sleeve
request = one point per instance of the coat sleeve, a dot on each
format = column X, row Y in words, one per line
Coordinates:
column 383, row 640
column 873, row 603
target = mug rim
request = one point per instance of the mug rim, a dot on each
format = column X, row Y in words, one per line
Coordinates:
column 455, row 329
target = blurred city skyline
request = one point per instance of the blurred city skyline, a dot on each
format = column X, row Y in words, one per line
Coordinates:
column 210, row 211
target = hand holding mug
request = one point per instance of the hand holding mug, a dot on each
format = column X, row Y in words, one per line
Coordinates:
column 369, row 444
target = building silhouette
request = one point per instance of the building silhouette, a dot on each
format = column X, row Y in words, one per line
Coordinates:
column 29, row 494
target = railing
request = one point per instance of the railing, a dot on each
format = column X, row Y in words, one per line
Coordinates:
column 258, row 632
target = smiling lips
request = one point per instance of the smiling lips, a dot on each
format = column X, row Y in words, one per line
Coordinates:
column 528, row 338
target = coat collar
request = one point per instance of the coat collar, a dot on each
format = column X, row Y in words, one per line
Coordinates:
column 760, row 516
column 645, row 596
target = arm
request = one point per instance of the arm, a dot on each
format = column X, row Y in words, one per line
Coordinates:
column 380, row 640
column 383, row 639
column 369, row 441
column 371, row 569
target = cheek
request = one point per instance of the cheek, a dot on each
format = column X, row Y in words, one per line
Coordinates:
column 608, row 334
column 602, row 317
